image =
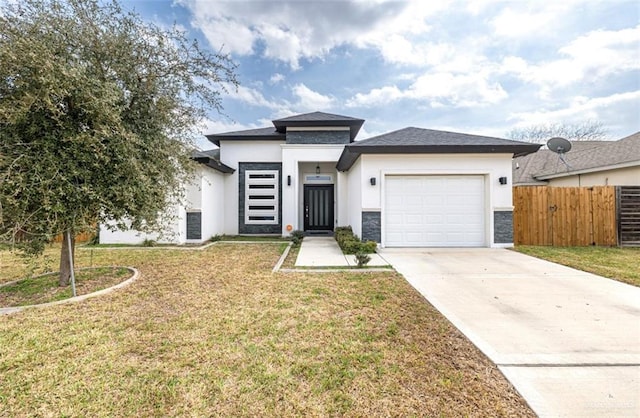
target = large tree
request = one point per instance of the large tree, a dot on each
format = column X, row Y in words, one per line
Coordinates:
column 588, row 130
column 97, row 112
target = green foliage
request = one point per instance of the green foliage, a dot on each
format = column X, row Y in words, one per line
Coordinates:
column 297, row 236
column 362, row 259
column 97, row 113
column 351, row 244
column 149, row 243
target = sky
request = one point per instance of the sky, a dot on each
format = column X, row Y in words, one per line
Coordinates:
column 479, row 66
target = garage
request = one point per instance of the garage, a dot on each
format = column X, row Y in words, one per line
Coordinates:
column 434, row 211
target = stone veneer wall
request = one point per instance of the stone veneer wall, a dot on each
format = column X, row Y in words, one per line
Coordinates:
column 503, row 227
column 318, row 137
column 371, row 228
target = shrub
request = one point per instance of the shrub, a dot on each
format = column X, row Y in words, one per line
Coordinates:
column 362, row 259
column 350, row 243
column 297, row 236
column 148, row 243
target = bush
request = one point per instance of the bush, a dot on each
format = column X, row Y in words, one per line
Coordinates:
column 351, row 244
column 297, row 236
column 362, row 259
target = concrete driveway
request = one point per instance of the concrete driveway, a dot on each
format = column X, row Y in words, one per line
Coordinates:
column 568, row 341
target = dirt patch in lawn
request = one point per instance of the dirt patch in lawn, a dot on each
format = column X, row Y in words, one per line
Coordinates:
column 45, row 288
column 216, row 333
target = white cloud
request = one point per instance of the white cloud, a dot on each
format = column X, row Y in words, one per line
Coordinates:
column 293, row 30
column 250, row 96
column 439, row 90
column 514, row 24
column 589, row 57
column 578, row 109
column 309, row 100
column 376, row 97
column 276, row 78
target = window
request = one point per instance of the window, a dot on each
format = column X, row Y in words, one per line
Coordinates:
column 261, row 197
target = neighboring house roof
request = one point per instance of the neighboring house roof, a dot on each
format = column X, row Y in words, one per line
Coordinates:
column 278, row 131
column 319, row 119
column 428, row 141
column 211, row 158
column 608, row 156
column 525, row 168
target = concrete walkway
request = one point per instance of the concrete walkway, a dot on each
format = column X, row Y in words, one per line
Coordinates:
column 325, row 252
column 569, row 341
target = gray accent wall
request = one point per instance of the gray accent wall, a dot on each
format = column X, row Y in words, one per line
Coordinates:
column 503, row 227
column 318, row 137
column 194, row 225
column 371, row 229
column 253, row 228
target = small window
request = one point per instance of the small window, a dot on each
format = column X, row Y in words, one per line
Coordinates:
column 261, row 197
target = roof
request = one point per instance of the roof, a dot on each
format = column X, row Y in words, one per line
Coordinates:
column 624, row 152
column 428, row 141
column 525, row 168
column 248, row 134
column 211, row 158
column 279, row 129
column 320, row 119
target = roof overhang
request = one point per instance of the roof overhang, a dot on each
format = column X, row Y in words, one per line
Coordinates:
column 213, row 163
column 354, row 125
column 588, row 170
column 216, row 138
column 352, row 152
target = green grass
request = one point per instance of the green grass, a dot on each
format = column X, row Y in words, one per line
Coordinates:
column 622, row 264
column 44, row 288
column 215, row 333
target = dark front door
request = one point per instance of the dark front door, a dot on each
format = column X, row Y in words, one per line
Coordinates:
column 318, row 207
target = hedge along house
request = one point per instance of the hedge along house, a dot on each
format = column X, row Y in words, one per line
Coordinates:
column 412, row 187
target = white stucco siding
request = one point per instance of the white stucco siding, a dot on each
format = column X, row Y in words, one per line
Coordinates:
column 172, row 232
column 491, row 166
column 355, row 179
column 232, row 153
column 202, row 194
column 293, row 157
column 205, row 195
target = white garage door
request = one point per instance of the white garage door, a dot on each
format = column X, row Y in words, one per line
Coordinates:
column 434, row 211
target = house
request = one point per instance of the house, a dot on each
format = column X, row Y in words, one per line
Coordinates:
column 411, row 187
column 588, row 163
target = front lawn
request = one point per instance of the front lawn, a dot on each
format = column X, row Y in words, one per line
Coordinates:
column 215, row 333
column 622, row 264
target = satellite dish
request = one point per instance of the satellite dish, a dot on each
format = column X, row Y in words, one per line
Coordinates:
column 559, row 145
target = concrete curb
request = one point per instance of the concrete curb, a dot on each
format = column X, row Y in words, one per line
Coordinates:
column 331, row 270
column 283, row 257
column 134, row 277
column 179, row 248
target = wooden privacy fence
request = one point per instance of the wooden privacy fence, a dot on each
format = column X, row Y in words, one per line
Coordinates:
column 565, row 216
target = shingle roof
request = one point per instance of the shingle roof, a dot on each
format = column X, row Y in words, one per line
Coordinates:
column 250, row 134
column 211, row 158
column 317, row 116
column 525, row 168
column 606, row 155
column 319, row 119
column 277, row 132
column 428, row 141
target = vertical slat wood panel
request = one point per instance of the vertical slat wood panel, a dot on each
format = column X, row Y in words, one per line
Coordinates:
column 565, row 216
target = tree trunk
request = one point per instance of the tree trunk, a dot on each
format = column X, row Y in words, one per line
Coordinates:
column 65, row 267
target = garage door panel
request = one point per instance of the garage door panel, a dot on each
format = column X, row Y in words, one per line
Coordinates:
column 436, row 211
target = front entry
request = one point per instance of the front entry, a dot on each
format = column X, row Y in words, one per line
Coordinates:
column 318, row 207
